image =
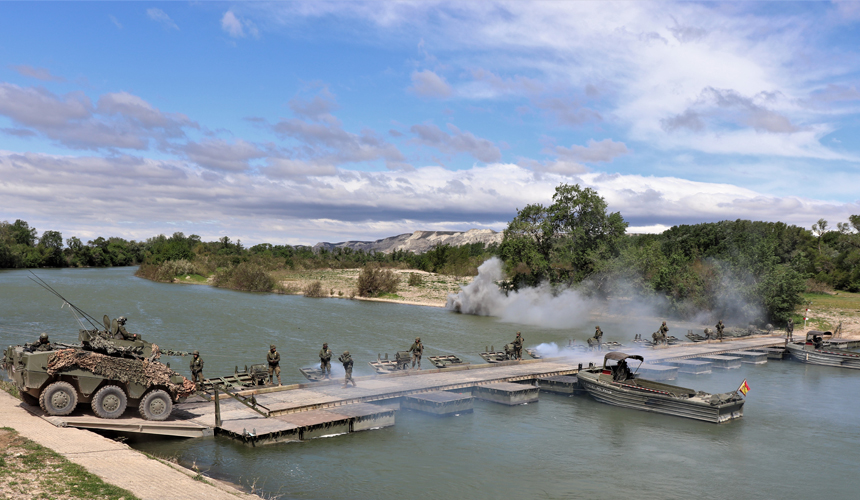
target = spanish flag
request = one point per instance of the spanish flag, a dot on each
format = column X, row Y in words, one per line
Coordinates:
column 744, row 388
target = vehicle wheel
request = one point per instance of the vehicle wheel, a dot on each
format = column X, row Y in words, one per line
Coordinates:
column 156, row 405
column 29, row 399
column 58, row 399
column 109, row 402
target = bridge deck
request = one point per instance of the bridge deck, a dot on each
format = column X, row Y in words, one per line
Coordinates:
column 329, row 399
column 297, row 411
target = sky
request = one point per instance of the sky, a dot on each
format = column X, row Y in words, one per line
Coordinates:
column 295, row 123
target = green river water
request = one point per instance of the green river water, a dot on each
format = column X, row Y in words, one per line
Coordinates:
column 798, row 439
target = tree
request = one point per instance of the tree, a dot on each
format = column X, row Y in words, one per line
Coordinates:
column 819, row 228
column 23, row 234
column 51, row 244
column 565, row 242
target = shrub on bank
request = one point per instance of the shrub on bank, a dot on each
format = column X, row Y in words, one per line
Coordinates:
column 314, row 289
column 373, row 281
column 246, row 276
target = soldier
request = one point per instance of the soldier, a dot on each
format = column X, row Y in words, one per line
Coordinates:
column 325, row 361
column 121, row 331
column 196, row 369
column 274, row 359
column 720, row 328
column 347, row 368
column 663, row 331
column 43, row 344
column 789, row 328
column 598, row 336
column 417, row 350
column 518, row 346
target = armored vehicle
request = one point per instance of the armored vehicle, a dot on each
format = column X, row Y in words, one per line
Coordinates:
column 109, row 369
column 59, row 379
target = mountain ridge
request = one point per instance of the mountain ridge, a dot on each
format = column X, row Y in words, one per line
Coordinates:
column 419, row 241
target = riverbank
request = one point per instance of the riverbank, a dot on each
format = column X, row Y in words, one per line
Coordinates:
column 117, row 464
column 415, row 287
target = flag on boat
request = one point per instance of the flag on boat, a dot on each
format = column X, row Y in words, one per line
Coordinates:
column 744, row 388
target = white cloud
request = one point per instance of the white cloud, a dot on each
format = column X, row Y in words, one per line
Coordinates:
column 235, row 27
column 119, row 120
column 43, row 74
column 603, row 151
column 302, row 202
column 232, row 25
column 456, row 142
column 428, row 84
column 162, row 18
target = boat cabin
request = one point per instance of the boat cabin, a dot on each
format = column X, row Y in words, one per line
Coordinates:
column 619, row 371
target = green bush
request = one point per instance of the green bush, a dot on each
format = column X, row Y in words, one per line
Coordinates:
column 245, row 276
column 314, row 290
column 373, row 281
column 415, row 279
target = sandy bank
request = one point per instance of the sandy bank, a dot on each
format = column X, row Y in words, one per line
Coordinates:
column 114, row 462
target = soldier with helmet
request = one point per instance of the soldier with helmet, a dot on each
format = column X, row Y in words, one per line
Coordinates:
column 196, row 369
column 720, row 328
column 121, row 331
column 325, row 361
column 347, row 368
column 598, row 336
column 417, row 350
column 273, row 357
column 664, row 338
column 41, row 345
column 518, row 346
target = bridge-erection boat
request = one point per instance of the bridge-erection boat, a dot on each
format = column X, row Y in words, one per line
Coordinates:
column 615, row 384
column 816, row 351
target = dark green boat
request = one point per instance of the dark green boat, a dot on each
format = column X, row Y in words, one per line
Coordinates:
column 615, row 384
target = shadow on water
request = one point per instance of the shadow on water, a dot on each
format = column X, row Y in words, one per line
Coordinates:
column 797, row 440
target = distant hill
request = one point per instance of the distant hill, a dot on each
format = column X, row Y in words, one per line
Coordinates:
column 419, row 241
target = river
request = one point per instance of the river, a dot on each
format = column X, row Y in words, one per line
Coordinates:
column 798, row 438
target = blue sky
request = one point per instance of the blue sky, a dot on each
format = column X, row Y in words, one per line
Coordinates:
column 295, row 122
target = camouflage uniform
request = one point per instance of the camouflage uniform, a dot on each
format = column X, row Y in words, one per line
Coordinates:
column 274, row 359
column 325, row 361
column 121, row 331
column 720, row 328
column 417, row 350
column 598, row 336
column 789, row 328
column 663, row 331
column 43, row 344
column 518, row 346
column 347, row 368
column 196, row 369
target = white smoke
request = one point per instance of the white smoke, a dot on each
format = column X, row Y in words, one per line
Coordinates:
column 539, row 306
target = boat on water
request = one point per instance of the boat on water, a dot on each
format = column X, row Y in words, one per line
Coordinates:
column 816, row 351
column 616, row 384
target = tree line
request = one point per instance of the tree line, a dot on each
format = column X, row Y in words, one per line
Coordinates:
column 735, row 268
column 740, row 269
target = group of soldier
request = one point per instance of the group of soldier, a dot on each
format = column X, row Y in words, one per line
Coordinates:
column 273, row 357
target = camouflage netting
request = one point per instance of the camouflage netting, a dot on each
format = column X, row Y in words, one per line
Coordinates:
column 99, row 343
column 142, row 372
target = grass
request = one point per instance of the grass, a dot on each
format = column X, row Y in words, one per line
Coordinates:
column 843, row 301
column 191, row 278
column 28, row 469
column 10, row 388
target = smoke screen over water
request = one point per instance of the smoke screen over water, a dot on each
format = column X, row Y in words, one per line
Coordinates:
column 554, row 307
